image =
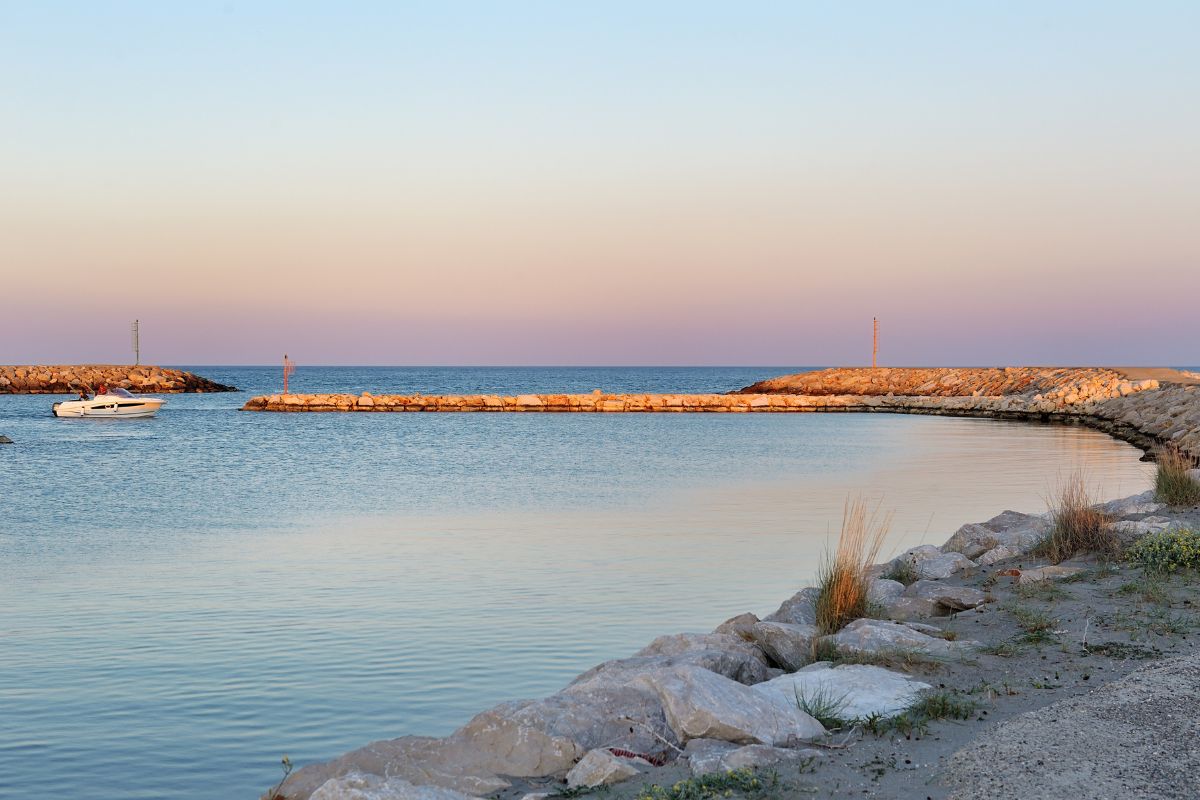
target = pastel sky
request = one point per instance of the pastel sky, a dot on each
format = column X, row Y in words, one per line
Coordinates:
column 600, row 183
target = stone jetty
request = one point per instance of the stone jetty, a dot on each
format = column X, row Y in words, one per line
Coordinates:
column 1142, row 410
column 70, row 378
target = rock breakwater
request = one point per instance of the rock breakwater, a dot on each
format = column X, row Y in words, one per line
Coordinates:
column 68, row 379
column 1143, row 411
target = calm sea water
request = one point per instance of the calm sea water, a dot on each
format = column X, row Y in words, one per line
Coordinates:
column 186, row 598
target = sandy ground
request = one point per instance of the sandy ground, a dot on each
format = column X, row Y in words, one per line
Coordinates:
column 1103, row 626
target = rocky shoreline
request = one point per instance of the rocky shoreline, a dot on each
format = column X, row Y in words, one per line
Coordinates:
column 70, row 378
column 978, row 627
column 981, row 626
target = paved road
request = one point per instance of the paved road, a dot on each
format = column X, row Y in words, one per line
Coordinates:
column 1138, row 737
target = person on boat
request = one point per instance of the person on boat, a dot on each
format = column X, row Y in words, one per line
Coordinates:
column 83, row 395
column 101, row 389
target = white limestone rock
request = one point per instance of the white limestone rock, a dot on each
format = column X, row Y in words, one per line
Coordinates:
column 932, row 564
column 1143, row 503
column 738, row 626
column 997, row 554
column 1046, row 573
column 952, row 598
column 723, row 653
column 879, row 636
column 365, row 786
column 903, row 609
column 789, row 646
column 799, row 609
column 884, row 591
column 703, row 705
column 446, row 763
column 601, row 768
column 860, row 689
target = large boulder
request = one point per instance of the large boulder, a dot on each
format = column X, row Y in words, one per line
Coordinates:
column 738, row 626
column 860, row 690
column 365, row 786
column 1009, row 529
column 789, row 646
column 799, row 609
column 882, row 637
column 883, row 591
column 931, row 563
column 600, row 768
column 1144, row 503
column 703, row 705
column 724, row 653
column 419, row 760
column 950, row 598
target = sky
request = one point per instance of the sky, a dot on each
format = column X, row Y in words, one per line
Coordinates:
column 600, row 183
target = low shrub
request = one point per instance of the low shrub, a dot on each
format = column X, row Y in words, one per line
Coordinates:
column 1167, row 551
column 1173, row 484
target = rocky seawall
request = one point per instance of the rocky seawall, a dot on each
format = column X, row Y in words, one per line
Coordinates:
column 1144, row 411
column 69, row 379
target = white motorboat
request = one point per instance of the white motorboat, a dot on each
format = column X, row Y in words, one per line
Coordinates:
column 114, row 403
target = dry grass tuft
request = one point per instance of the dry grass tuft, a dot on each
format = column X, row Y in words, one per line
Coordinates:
column 1172, row 483
column 842, row 580
column 1077, row 526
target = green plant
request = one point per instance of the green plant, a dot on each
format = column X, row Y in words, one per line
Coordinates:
column 742, row 782
column 842, row 580
column 904, row 571
column 1038, row 628
column 1077, row 526
column 1149, row 590
column 1172, row 483
column 823, row 706
column 1167, row 551
column 929, row 707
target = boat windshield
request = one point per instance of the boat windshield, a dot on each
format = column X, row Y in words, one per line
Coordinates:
column 119, row 393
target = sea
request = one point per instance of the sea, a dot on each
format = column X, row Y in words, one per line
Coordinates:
column 185, row 599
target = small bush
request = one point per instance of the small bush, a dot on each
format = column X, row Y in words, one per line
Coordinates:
column 1167, row 551
column 904, row 571
column 842, row 580
column 1172, row 483
column 823, row 706
column 743, row 782
column 1077, row 527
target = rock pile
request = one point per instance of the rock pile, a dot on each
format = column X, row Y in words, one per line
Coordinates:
column 68, row 379
column 1051, row 382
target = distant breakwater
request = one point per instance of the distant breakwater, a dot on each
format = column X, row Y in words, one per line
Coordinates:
column 69, row 379
column 1143, row 411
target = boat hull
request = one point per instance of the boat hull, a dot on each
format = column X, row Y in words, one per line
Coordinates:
column 110, row 408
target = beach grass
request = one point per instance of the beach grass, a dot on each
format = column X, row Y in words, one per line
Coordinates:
column 1077, row 526
column 1173, row 484
column 842, row 580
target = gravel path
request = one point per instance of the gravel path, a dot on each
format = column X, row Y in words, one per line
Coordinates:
column 1134, row 738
